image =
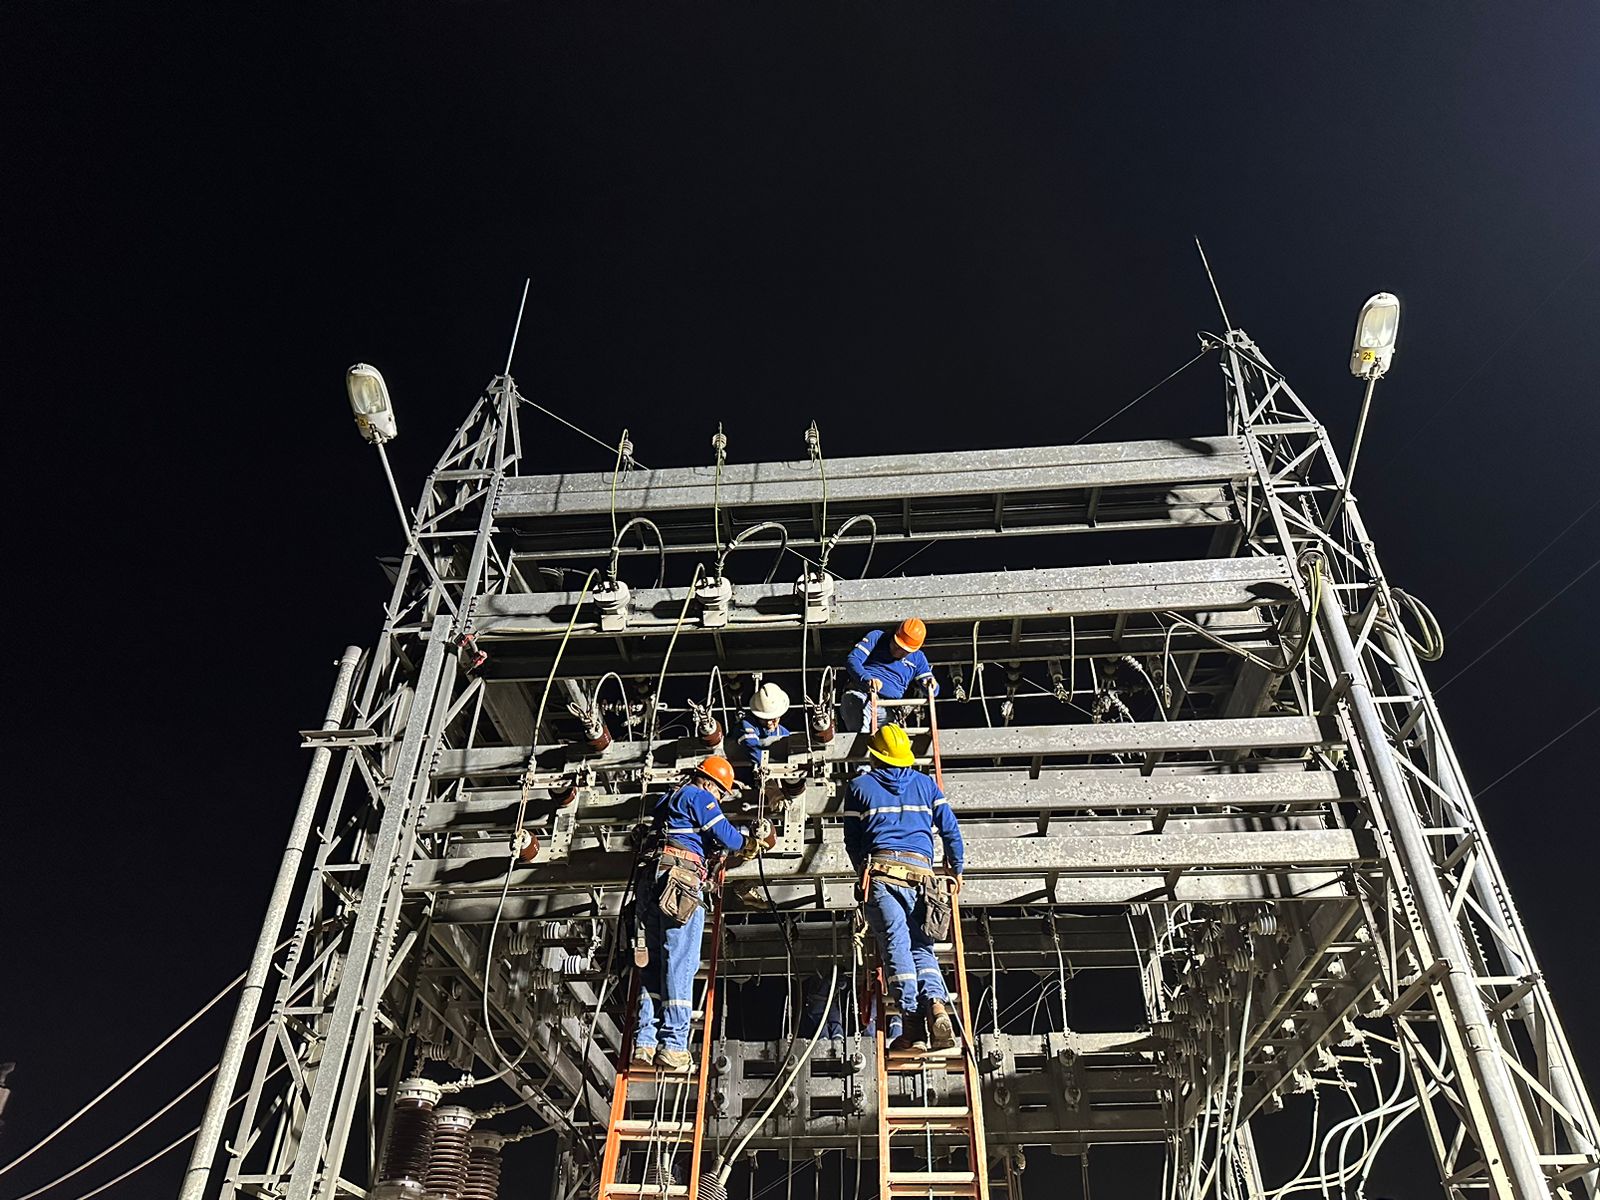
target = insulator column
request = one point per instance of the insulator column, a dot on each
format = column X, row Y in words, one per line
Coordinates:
column 411, row 1127
column 483, row 1167
column 452, row 1145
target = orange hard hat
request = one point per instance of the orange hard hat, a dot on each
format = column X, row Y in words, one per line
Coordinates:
column 717, row 768
column 911, row 634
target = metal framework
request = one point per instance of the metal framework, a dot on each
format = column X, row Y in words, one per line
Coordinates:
column 1212, row 769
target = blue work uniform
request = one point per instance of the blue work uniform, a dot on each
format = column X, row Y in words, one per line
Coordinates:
column 691, row 819
column 874, row 658
column 756, row 738
column 893, row 813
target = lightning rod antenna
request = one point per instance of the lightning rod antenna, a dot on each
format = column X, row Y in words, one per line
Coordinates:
column 1206, row 263
column 517, row 328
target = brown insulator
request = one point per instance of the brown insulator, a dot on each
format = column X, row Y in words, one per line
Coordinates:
column 411, row 1121
column 527, row 845
column 711, row 733
column 452, row 1145
column 483, row 1169
column 822, row 728
column 564, row 796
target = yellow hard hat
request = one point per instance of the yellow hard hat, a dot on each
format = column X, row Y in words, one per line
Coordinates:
column 891, row 745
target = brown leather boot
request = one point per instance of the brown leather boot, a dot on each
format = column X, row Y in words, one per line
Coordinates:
column 941, row 1031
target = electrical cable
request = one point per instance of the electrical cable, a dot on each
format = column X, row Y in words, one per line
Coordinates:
column 872, row 543
column 116, row 1083
column 597, row 441
column 725, row 1164
column 1205, row 350
column 1430, row 646
column 516, row 840
column 739, row 541
column 1496, row 643
column 1506, row 775
column 1504, row 583
column 161, row 1112
column 165, row 1150
column 616, row 546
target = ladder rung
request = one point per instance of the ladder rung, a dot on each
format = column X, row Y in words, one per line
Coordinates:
column 911, row 1115
column 650, row 1129
column 644, row 1189
column 930, row 1178
column 918, row 1060
column 906, row 1191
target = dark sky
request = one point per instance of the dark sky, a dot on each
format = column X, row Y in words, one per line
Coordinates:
column 926, row 227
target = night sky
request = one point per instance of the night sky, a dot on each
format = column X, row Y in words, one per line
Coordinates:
column 927, row 228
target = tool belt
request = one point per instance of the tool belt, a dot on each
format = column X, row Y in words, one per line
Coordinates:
column 682, row 892
column 933, row 891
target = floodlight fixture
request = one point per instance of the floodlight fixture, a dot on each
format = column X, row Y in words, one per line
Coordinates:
column 369, row 401
column 1377, row 329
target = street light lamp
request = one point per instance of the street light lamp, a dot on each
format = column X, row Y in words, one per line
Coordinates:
column 1377, row 330
column 369, row 401
column 374, row 413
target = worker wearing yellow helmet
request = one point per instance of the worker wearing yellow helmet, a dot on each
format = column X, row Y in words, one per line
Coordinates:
column 891, row 814
column 886, row 664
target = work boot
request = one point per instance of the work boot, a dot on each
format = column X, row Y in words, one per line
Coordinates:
column 914, row 1034
column 644, row 1056
column 941, row 1030
column 672, row 1060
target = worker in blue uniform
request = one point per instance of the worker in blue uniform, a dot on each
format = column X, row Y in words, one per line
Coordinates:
column 886, row 665
column 689, row 826
column 762, row 727
column 891, row 814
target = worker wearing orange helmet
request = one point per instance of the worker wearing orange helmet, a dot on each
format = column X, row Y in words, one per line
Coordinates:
column 688, row 827
column 887, row 665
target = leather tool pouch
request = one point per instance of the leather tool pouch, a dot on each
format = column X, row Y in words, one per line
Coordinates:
column 936, row 909
column 680, row 894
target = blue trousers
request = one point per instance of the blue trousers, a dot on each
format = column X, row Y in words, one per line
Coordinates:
column 855, row 713
column 666, row 992
column 895, row 913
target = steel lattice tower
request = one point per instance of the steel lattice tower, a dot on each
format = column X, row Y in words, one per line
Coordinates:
column 1219, row 769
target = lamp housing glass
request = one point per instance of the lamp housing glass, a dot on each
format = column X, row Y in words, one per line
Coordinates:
column 1377, row 331
column 369, row 402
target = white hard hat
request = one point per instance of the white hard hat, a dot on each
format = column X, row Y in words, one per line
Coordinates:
column 770, row 702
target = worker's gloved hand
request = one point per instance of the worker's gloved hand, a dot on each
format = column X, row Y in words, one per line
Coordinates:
column 932, row 688
column 874, row 685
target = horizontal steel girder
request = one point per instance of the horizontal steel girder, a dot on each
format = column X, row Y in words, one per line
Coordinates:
column 1055, row 595
column 1166, row 462
column 973, row 793
column 1049, row 858
column 558, row 762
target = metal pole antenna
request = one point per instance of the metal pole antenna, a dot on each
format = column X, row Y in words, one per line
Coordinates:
column 210, row 1132
column 517, row 328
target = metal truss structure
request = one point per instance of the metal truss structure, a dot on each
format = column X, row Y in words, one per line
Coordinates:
column 1212, row 769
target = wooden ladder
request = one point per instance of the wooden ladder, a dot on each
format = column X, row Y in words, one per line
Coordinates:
column 655, row 1112
column 935, row 1128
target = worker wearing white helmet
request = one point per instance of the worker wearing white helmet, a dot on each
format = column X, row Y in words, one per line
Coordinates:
column 762, row 727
